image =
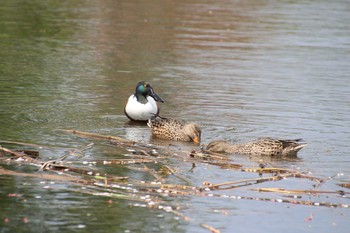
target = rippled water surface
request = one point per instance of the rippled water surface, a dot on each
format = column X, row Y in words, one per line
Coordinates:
column 243, row 69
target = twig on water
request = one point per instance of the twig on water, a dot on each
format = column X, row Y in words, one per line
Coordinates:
column 281, row 200
column 23, row 144
column 240, row 183
column 309, row 192
column 345, row 185
column 20, row 156
column 99, row 136
column 173, row 172
column 208, row 156
column 233, row 166
column 44, row 176
column 76, row 152
column 210, row 228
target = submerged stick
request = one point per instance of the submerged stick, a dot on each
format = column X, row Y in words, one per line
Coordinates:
column 56, row 165
column 114, row 161
column 20, row 155
column 173, row 172
column 246, row 182
column 14, row 153
column 76, row 152
column 288, row 191
column 345, row 185
column 233, row 166
column 98, row 136
column 210, row 228
column 22, row 144
column 279, row 200
column 270, row 170
column 42, row 176
column 208, row 156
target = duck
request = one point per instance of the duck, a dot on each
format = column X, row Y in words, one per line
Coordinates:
column 174, row 129
column 259, row 147
column 142, row 105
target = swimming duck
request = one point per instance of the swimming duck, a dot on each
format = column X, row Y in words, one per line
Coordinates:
column 262, row 146
column 142, row 105
column 173, row 129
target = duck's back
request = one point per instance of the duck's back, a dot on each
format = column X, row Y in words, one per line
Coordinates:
column 167, row 128
column 272, row 147
column 263, row 146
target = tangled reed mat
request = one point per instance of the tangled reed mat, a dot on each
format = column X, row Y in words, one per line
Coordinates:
column 157, row 162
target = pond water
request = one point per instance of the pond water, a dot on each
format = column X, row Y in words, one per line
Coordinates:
column 242, row 69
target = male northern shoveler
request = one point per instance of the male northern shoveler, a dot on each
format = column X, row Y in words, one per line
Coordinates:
column 176, row 130
column 262, row 146
column 142, row 105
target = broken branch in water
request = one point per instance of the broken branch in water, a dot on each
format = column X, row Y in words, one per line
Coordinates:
column 76, row 152
column 99, row 136
column 281, row 200
column 114, row 161
column 241, row 183
column 210, row 228
column 270, row 170
column 20, row 156
column 43, row 176
column 208, row 156
column 288, row 191
column 345, row 185
column 227, row 165
column 14, row 153
column 292, row 173
column 22, row 144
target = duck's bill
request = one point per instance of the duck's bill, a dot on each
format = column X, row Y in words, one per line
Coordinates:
column 155, row 96
column 196, row 140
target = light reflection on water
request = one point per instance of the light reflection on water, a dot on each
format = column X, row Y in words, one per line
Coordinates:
column 243, row 70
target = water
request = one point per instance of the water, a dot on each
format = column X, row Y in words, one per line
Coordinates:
column 241, row 69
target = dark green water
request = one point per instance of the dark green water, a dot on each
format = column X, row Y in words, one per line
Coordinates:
column 242, row 69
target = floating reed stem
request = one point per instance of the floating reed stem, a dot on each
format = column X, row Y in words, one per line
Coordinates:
column 240, row 183
column 99, row 136
column 288, row 191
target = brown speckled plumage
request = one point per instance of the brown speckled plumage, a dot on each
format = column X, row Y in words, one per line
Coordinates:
column 173, row 129
column 259, row 147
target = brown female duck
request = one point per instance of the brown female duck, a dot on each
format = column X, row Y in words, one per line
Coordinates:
column 262, row 146
column 173, row 129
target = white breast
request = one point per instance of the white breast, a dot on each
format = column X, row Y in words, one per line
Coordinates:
column 141, row 112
